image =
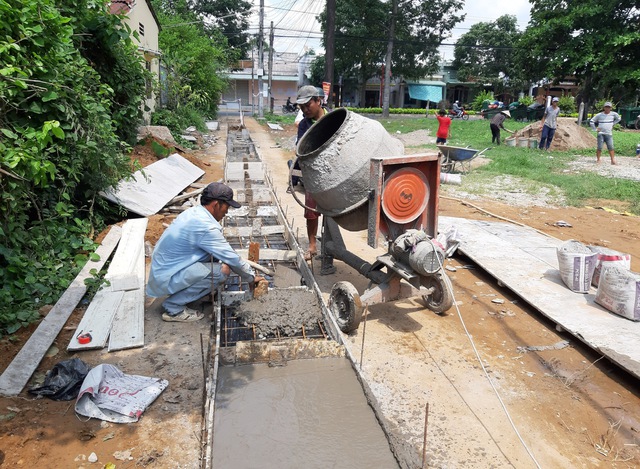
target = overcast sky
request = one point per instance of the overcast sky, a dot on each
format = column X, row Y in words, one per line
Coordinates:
column 297, row 30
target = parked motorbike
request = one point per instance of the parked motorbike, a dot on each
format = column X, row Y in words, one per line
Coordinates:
column 463, row 114
column 289, row 107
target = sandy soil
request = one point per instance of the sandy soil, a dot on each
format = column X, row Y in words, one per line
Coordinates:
column 571, row 408
column 566, row 404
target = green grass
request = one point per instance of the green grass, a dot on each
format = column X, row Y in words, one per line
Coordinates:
column 533, row 167
column 279, row 118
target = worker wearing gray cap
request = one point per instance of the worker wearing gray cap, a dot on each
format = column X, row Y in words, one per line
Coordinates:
column 603, row 123
column 310, row 100
column 192, row 252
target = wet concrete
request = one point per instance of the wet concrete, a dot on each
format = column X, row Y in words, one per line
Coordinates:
column 286, row 310
column 309, row 413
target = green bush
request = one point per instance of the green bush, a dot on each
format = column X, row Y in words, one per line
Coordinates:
column 567, row 105
column 480, row 98
column 526, row 100
column 179, row 119
column 59, row 143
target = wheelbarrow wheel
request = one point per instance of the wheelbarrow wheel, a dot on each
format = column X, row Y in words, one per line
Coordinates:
column 441, row 299
column 344, row 303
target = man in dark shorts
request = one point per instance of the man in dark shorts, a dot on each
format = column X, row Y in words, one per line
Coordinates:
column 310, row 102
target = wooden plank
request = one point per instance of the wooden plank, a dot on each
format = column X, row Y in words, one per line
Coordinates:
column 248, row 230
column 185, row 196
column 19, row 371
column 122, row 272
column 270, row 254
column 152, row 188
column 521, row 258
column 98, row 318
column 127, row 330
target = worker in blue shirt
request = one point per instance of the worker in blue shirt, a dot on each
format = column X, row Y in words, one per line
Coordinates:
column 182, row 265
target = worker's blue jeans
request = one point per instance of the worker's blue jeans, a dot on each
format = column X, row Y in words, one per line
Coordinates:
column 175, row 304
column 546, row 137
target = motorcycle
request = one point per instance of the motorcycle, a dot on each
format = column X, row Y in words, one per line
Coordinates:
column 463, row 114
column 289, row 107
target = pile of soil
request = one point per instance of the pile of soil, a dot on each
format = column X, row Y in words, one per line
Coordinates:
column 568, row 136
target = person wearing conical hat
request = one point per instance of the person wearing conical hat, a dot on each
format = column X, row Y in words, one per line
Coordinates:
column 497, row 123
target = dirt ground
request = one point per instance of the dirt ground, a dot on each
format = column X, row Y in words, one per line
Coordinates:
column 571, row 408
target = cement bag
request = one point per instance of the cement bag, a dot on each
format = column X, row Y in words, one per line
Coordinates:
column 109, row 394
column 608, row 258
column 619, row 292
column 577, row 263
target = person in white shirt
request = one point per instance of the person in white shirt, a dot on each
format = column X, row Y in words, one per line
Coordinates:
column 603, row 123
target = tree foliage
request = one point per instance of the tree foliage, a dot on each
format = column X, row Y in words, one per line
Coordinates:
column 229, row 17
column 597, row 42
column 195, row 59
column 361, row 36
column 59, row 142
column 420, row 29
column 488, row 53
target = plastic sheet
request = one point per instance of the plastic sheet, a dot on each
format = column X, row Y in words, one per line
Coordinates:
column 63, row 381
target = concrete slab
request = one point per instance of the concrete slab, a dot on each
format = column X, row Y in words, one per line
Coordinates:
column 525, row 261
column 274, row 126
column 150, row 190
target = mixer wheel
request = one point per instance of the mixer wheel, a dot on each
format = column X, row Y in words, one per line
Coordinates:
column 442, row 297
column 344, row 303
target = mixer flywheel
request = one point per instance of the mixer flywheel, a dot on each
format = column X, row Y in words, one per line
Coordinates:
column 405, row 195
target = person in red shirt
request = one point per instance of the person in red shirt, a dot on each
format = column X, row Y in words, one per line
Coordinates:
column 444, row 124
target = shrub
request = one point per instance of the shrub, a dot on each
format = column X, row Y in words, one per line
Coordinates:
column 480, row 98
column 567, row 105
column 526, row 100
column 59, row 143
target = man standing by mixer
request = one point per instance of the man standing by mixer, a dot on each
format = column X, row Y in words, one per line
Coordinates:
column 310, row 101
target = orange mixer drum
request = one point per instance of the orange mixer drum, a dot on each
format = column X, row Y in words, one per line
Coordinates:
column 405, row 195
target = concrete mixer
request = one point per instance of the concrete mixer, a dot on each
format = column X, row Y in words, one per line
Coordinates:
column 361, row 179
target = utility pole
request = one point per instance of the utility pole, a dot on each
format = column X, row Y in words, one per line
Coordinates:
column 270, row 68
column 253, row 91
column 261, row 61
column 387, row 61
column 330, row 43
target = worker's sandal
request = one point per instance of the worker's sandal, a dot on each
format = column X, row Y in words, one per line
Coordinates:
column 187, row 315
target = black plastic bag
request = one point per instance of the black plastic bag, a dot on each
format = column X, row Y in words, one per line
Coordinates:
column 63, row 381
